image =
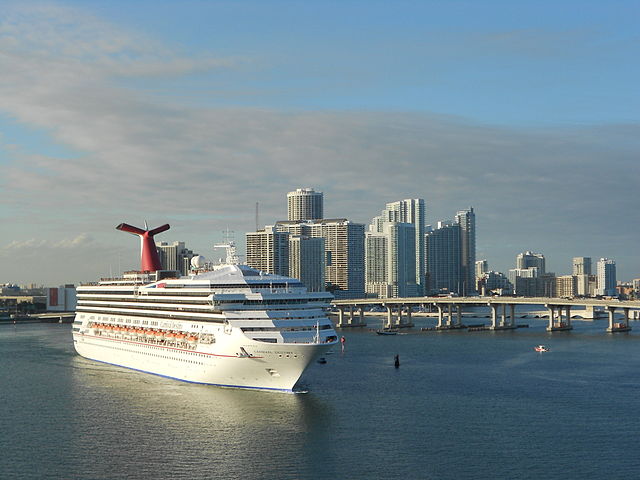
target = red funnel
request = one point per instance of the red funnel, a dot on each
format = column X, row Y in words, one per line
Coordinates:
column 149, row 259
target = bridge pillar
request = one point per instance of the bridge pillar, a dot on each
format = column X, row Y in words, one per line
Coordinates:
column 341, row 316
column 503, row 319
column 618, row 327
column 494, row 315
column 512, row 307
column 351, row 308
column 449, row 315
column 557, row 323
column 459, row 314
column 407, row 322
column 389, row 320
column 552, row 317
column 611, row 311
column 362, row 322
column 440, row 314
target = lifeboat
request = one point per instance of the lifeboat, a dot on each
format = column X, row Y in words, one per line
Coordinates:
column 192, row 339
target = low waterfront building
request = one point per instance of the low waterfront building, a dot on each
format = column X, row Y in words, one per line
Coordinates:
column 61, row 299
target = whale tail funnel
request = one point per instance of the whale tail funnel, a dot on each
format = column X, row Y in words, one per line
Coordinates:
column 149, row 258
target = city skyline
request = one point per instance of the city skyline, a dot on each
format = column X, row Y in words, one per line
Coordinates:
column 189, row 114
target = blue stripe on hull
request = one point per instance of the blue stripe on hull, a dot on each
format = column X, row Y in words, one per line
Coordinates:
column 286, row 390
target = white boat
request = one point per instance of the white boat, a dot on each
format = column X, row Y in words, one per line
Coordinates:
column 231, row 326
column 541, row 348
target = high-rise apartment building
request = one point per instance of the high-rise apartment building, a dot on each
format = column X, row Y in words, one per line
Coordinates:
column 566, row 286
column 304, row 204
column 482, row 266
column 411, row 211
column 306, row 261
column 390, row 260
column 443, row 247
column 174, row 256
column 606, row 273
column 375, row 259
column 268, row 251
column 344, row 252
column 582, row 285
column 531, row 260
column 581, row 266
column 467, row 221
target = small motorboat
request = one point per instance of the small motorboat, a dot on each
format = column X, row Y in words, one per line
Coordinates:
column 387, row 332
column 322, row 360
column 541, row 348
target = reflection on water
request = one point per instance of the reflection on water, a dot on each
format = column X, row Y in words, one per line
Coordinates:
column 461, row 405
column 69, row 417
column 190, row 428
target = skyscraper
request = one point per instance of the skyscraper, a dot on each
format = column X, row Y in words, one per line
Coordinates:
column 306, row 261
column 444, row 259
column 174, row 256
column 411, row 211
column 606, row 271
column 304, row 204
column 390, row 260
column 581, row 266
column 344, row 252
column 529, row 259
column 467, row 221
column 268, row 250
column 482, row 267
column 375, row 258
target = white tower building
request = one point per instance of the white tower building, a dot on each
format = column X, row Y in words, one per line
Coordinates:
column 467, row 221
column 304, row 204
column 411, row 211
column 606, row 271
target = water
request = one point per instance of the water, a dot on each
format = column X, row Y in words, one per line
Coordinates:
column 461, row 406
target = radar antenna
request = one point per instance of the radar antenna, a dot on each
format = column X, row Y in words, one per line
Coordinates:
column 229, row 244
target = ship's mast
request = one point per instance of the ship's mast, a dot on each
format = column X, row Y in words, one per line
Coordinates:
column 229, row 244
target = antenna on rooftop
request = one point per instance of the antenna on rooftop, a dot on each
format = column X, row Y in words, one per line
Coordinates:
column 257, row 223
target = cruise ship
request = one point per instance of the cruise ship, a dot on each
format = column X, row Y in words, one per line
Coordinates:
column 228, row 325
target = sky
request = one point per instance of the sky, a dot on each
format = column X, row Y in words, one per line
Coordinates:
column 191, row 112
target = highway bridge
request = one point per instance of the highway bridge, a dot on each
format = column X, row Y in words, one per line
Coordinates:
column 501, row 310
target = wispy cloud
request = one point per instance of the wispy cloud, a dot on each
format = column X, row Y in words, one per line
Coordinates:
column 144, row 155
column 16, row 246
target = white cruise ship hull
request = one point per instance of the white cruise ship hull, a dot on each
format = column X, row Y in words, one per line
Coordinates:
column 240, row 363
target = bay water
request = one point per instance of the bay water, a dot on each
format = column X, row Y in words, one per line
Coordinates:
column 462, row 405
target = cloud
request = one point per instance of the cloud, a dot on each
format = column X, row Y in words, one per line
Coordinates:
column 16, row 246
column 141, row 155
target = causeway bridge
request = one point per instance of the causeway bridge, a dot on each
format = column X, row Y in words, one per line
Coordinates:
column 351, row 313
